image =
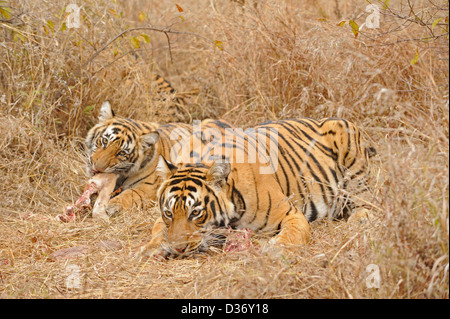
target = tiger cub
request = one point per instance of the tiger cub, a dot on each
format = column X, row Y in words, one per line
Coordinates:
column 175, row 108
column 302, row 170
column 131, row 149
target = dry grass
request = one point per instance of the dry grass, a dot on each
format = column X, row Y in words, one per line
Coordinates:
column 282, row 59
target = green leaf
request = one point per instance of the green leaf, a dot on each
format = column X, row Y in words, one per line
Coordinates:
column 88, row 109
column 113, row 12
column 341, row 24
column 135, row 42
column 435, row 22
column 386, row 4
column 6, row 12
column 355, row 27
column 51, row 25
column 146, row 37
column 18, row 36
column 63, row 26
column 416, row 58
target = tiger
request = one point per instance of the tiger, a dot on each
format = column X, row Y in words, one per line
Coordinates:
column 175, row 109
column 315, row 164
column 130, row 149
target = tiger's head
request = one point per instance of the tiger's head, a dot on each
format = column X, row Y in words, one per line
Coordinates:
column 193, row 201
column 119, row 145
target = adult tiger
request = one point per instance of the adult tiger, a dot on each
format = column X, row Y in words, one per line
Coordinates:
column 314, row 165
column 130, row 149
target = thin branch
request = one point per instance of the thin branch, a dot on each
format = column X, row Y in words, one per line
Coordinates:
column 163, row 30
column 408, row 40
column 170, row 48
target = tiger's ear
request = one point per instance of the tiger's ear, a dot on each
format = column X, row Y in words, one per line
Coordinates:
column 218, row 173
column 149, row 139
column 106, row 112
column 165, row 169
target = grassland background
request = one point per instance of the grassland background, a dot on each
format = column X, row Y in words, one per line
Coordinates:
column 247, row 63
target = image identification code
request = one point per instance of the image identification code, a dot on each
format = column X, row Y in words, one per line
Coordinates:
column 229, row 308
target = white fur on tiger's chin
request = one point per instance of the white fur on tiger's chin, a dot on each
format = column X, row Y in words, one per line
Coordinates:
column 105, row 183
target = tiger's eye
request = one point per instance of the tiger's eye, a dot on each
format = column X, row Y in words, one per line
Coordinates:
column 167, row 214
column 196, row 212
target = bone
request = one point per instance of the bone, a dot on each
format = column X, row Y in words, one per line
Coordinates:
column 103, row 184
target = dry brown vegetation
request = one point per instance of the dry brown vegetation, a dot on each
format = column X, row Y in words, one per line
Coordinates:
column 277, row 59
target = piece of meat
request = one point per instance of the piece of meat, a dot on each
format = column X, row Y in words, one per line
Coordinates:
column 239, row 240
column 103, row 184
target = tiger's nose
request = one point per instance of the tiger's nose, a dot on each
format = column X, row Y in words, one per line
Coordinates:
column 179, row 248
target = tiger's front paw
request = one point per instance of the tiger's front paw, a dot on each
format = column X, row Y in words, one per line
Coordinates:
column 273, row 250
column 116, row 205
column 361, row 217
column 150, row 251
column 121, row 202
column 113, row 208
